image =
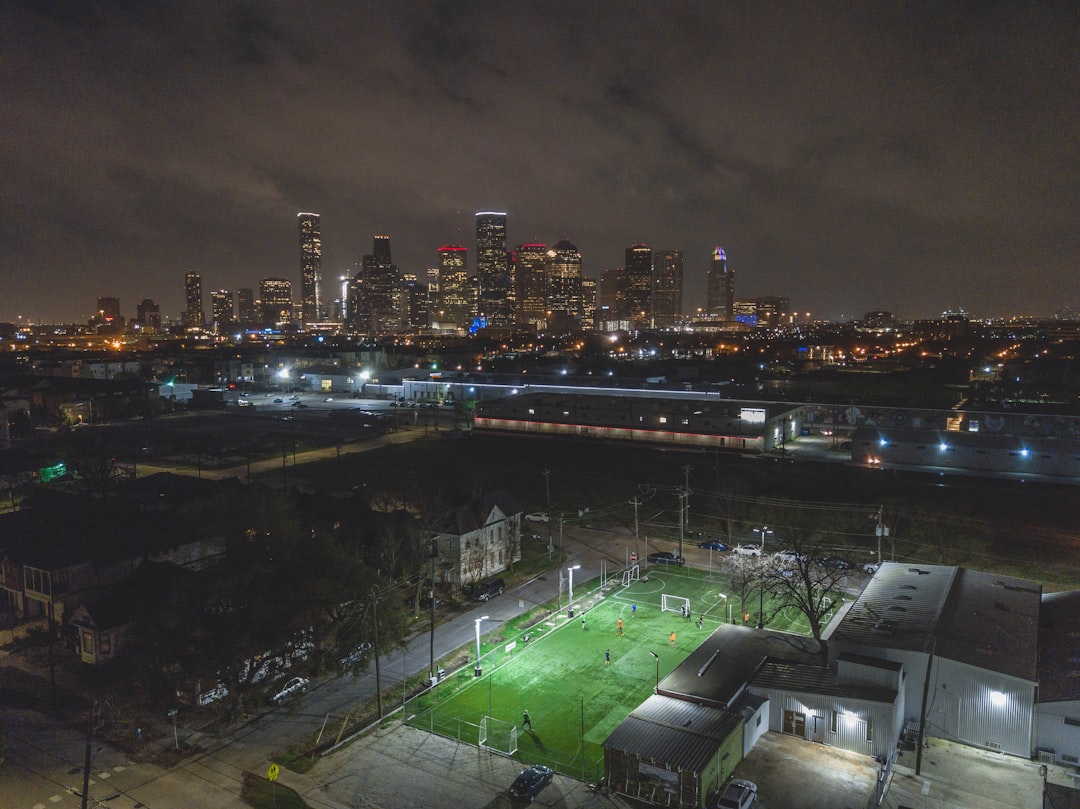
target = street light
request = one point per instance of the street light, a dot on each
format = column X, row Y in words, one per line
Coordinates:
column 763, row 530
column 728, row 603
column 656, row 657
column 477, row 622
column 570, row 605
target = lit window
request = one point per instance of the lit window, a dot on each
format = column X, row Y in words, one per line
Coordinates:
column 663, row 419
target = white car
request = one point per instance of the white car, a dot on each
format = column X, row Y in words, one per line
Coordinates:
column 738, row 794
column 747, row 550
column 789, row 557
column 297, row 685
column 537, row 516
column 871, row 568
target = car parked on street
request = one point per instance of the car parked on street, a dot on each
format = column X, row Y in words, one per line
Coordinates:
column 835, row 563
column 871, row 568
column 529, row 783
column 489, row 589
column 292, row 688
column 537, row 516
column 747, row 550
column 713, row 545
column 738, row 794
column 665, row 558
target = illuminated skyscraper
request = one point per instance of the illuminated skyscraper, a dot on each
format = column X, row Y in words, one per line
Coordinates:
column 454, row 301
column 667, row 288
column 564, row 281
column 720, row 294
column 638, row 290
column 311, row 267
column 588, row 303
column 612, row 315
column 109, row 310
column 245, row 304
column 376, row 296
column 529, row 265
column 221, row 305
column 193, row 297
column 275, row 301
column 492, row 268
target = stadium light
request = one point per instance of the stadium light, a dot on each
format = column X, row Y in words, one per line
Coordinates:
column 477, row 621
column 656, row 657
column 570, row 606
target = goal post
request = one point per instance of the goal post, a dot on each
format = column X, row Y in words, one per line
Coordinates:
column 631, row 574
column 679, row 604
column 498, row 736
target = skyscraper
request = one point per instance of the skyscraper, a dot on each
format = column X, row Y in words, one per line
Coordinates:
column 564, row 281
column 638, row 290
column 108, row 309
column 275, row 301
column 149, row 314
column 667, row 289
column 376, row 297
column 221, row 306
column 310, row 267
column 720, row 294
column 245, row 304
column 531, row 283
column 193, row 297
column 492, row 269
column 454, row 301
column 612, row 313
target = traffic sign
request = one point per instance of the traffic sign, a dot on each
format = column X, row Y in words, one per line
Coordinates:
column 272, row 773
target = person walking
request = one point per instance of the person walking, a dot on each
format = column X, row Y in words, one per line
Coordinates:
column 607, row 657
column 526, row 720
column 620, row 626
column 633, row 610
column 700, row 619
column 583, row 622
column 672, row 640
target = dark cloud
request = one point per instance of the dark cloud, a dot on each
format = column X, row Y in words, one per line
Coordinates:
column 911, row 156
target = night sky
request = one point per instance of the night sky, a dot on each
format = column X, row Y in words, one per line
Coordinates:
column 850, row 156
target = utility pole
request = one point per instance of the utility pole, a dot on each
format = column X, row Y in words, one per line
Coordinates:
column 681, row 494
column 431, row 595
column 547, row 487
column 882, row 530
column 635, row 503
column 686, row 489
column 86, row 762
column 378, row 673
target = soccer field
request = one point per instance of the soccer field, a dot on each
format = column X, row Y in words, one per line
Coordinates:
column 578, row 682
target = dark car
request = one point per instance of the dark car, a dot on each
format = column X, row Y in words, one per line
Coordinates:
column 665, row 558
column 532, row 779
column 738, row 794
column 713, row 545
column 836, row 563
column 489, row 589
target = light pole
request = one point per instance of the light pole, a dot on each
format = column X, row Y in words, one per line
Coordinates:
column 656, row 657
column 570, row 605
column 763, row 530
column 477, row 622
column 728, row 604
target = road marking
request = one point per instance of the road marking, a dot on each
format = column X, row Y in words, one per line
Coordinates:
column 925, row 788
column 103, row 775
column 119, row 768
column 55, row 798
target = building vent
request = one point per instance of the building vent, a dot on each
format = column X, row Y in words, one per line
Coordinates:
column 993, row 745
column 1069, row 759
column 1046, row 756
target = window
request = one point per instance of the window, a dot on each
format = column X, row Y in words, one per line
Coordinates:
column 88, row 641
column 663, row 419
column 105, row 645
column 834, row 718
column 758, row 723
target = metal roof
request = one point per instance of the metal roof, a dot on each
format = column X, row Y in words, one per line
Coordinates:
column 992, row 622
column 719, row 668
column 807, row 679
column 1059, row 659
column 676, row 734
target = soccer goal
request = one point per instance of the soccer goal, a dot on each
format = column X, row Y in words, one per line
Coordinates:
column 631, row 574
column 498, row 736
column 677, row 604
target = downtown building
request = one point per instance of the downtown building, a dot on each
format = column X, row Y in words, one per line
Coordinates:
column 193, row 315
column 720, row 289
column 455, row 306
column 310, row 268
column 492, row 269
column 667, row 289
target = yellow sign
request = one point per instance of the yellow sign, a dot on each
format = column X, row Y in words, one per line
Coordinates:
column 272, row 773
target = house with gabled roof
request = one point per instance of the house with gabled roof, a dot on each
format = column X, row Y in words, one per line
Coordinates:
column 480, row 539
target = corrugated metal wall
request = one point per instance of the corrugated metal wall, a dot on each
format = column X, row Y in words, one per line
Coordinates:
column 981, row 708
column 1053, row 734
column 853, row 720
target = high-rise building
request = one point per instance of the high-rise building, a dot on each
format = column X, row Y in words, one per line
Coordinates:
column 149, row 314
column 275, row 301
column 311, row 267
column 376, row 296
column 588, row 304
column 612, row 314
column 492, row 268
column 245, row 304
column 529, row 269
column 193, row 316
column 638, row 290
column 564, row 282
column 221, row 306
column 667, row 289
column 454, row 300
column 417, row 304
column 108, row 310
column 720, row 292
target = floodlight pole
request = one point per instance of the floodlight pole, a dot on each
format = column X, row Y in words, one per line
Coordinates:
column 477, row 621
column 656, row 657
column 570, row 605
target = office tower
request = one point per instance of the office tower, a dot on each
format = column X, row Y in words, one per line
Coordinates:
column 773, row 311
column 564, row 282
column 245, row 303
column 455, row 299
column 417, row 303
column 720, row 294
column 310, row 267
column 375, row 297
column 221, row 306
column 275, row 301
column 529, row 270
column 638, row 290
column 667, row 289
column 193, row 316
column 492, row 268
column 149, row 314
column 612, row 303
column 108, row 310
column 588, row 304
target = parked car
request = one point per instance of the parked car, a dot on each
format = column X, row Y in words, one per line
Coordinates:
column 713, row 545
column 748, row 550
column 835, row 563
column 529, row 783
column 665, row 558
column 537, row 516
column 279, row 401
column 356, row 655
column 789, row 557
column 739, row 794
column 428, row 602
column 295, row 686
column 871, row 568
column 489, row 589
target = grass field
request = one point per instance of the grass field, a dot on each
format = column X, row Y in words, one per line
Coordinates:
column 574, row 696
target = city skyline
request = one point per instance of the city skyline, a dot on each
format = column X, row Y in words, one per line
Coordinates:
column 878, row 158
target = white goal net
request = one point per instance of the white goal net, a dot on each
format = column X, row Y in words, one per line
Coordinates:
column 677, row 604
column 631, row 574
column 498, row 736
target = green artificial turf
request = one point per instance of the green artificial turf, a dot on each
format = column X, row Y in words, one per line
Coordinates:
column 575, row 699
